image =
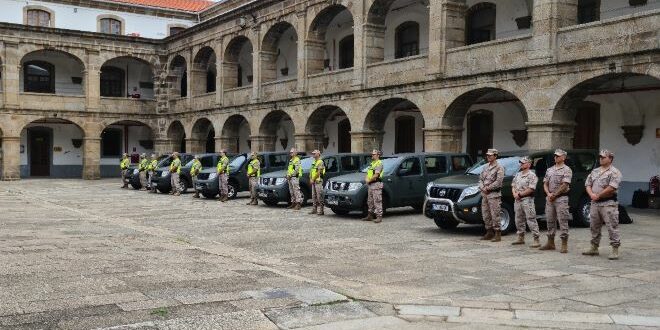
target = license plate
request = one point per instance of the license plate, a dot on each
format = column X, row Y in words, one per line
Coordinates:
column 263, row 194
column 333, row 202
column 440, row 207
column 199, row 186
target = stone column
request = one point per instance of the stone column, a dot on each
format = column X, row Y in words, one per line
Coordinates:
column 549, row 135
column 261, row 143
column 447, row 139
column 547, row 18
column 10, row 75
column 92, row 81
column 91, row 158
column 229, row 143
column 359, row 56
column 268, row 66
column 163, row 146
column 366, row 141
column 308, row 142
column 446, row 31
column 256, row 65
column 11, row 158
column 197, row 77
column 219, row 83
column 301, row 57
column 314, row 54
column 374, row 43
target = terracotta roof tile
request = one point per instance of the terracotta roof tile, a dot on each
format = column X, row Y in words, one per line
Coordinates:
column 185, row 5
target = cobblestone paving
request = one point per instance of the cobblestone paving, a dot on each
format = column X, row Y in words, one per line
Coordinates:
column 86, row 254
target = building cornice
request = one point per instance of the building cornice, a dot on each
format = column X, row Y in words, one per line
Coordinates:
column 130, row 8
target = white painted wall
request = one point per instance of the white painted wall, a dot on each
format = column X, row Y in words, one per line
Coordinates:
column 288, row 57
column 389, row 129
column 614, row 8
column 84, row 18
column 66, row 66
column 136, row 72
column 331, row 130
column 285, row 129
column 62, row 135
column 135, row 134
column 244, row 136
column 245, row 61
column 507, row 116
column 507, row 12
column 403, row 11
column 340, row 27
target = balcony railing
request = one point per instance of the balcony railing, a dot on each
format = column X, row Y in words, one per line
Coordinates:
column 278, row 90
column 496, row 55
column 330, row 82
column 179, row 104
column 204, row 101
column 127, row 105
column 399, row 71
column 237, row 96
column 55, row 102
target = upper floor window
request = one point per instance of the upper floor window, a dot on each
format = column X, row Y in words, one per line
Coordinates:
column 112, row 82
column 346, row 52
column 481, row 23
column 407, row 39
column 588, row 11
column 38, row 17
column 176, row 29
column 110, row 26
column 39, row 77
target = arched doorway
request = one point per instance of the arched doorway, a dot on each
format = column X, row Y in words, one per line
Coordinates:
column 177, row 136
column 53, row 148
column 397, row 29
column 236, row 134
column 330, row 128
column 52, row 72
column 127, row 77
column 277, row 132
column 204, row 71
column 400, row 123
column 203, row 136
column 237, row 65
column 124, row 136
column 178, row 77
column 279, row 53
column 330, row 28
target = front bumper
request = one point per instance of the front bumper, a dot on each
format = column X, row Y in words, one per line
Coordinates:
column 273, row 193
column 466, row 211
column 343, row 201
column 210, row 187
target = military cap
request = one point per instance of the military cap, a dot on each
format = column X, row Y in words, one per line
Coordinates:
column 492, row 152
column 560, row 152
column 606, row 153
column 525, row 160
column 316, row 152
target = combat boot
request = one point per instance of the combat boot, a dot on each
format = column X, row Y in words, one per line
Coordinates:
column 614, row 255
column 177, row 194
column 255, row 202
column 498, row 236
column 321, row 211
column 593, row 251
column 379, row 219
column 171, row 192
column 564, row 245
column 550, row 244
column 292, row 205
column 196, row 195
column 369, row 217
column 537, row 243
column 520, row 241
column 313, row 211
column 489, row 235
column 224, row 198
column 297, row 207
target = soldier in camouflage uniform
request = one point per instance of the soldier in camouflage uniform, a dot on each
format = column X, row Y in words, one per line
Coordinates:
column 142, row 169
column 556, row 184
column 223, row 172
column 316, row 174
column 490, row 185
column 602, row 185
column 293, row 173
column 253, row 173
column 523, row 187
column 195, row 168
column 374, row 181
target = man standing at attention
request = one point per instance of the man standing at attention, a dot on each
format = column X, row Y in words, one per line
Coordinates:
column 374, row 180
column 523, row 187
column 490, row 185
column 293, row 174
column 316, row 174
column 123, row 165
column 556, row 184
column 253, row 173
column 195, row 168
column 223, row 172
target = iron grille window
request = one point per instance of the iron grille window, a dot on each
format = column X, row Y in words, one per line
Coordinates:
column 39, row 77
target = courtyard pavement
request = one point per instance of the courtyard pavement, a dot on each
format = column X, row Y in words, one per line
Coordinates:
column 87, row 255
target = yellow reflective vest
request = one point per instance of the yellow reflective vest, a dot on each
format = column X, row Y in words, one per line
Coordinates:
column 372, row 169
column 176, row 166
column 253, row 168
column 315, row 169
column 124, row 163
column 196, row 167
column 293, row 163
column 142, row 166
column 223, row 165
column 152, row 165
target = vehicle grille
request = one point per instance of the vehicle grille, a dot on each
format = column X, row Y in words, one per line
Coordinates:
column 448, row 193
column 203, row 176
column 268, row 181
column 337, row 186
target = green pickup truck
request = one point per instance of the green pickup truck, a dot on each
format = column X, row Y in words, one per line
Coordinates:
column 456, row 199
column 404, row 179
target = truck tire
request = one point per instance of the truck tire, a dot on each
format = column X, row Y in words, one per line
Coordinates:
column 581, row 214
column 232, row 190
column 339, row 211
column 270, row 202
column 445, row 223
column 507, row 219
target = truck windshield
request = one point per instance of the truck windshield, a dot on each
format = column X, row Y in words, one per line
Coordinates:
column 306, row 163
column 511, row 165
column 237, row 162
column 388, row 165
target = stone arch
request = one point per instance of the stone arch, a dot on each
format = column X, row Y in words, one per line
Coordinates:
column 480, row 23
column 237, row 66
column 202, row 136
column 279, row 53
column 59, row 68
column 276, row 131
column 75, row 53
column 133, row 72
column 236, row 133
column 395, row 125
column 176, row 134
column 204, row 71
column 178, row 76
column 320, row 57
column 382, row 41
column 329, row 128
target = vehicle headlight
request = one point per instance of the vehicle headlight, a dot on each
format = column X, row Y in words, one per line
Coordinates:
column 354, row 186
column 213, row 175
column 280, row 181
column 468, row 192
column 165, row 173
column 428, row 187
column 136, row 171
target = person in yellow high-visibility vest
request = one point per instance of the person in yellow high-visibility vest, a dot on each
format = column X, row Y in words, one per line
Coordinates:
column 374, row 180
column 293, row 174
column 123, row 165
column 195, row 168
column 223, row 173
column 151, row 172
column 316, row 174
column 175, row 170
column 142, row 168
column 253, row 173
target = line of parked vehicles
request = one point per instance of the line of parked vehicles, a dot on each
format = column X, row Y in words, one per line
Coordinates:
column 444, row 186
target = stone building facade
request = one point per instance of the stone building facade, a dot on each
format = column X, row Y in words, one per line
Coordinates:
column 342, row 75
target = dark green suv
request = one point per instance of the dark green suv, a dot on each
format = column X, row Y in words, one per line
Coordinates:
column 456, row 199
column 273, row 187
column 404, row 178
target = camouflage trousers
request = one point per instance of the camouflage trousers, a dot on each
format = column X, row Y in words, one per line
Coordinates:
column 490, row 211
column 194, row 183
column 317, row 194
column 124, row 176
column 150, row 179
column 609, row 215
column 375, row 198
column 143, row 179
column 526, row 214
column 175, row 182
column 253, row 182
column 294, row 190
column 223, row 184
column 557, row 211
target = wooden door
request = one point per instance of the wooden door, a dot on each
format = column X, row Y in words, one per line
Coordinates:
column 404, row 134
column 480, row 133
column 587, row 129
column 39, row 149
column 344, row 136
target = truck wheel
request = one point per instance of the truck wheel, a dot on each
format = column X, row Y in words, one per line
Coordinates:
column 136, row 186
column 184, row 186
column 339, row 211
column 581, row 214
column 164, row 191
column 507, row 219
column 445, row 223
column 231, row 190
column 270, row 202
